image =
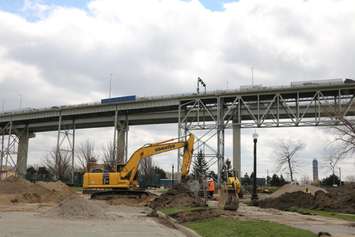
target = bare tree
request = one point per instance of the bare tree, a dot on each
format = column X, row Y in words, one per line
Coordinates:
column 146, row 167
column 334, row 155
column 286, row 152
column 109, row 157
column 58, row 165
column 85, row 153
column 345, row 135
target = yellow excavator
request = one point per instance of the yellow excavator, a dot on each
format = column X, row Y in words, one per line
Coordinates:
column 231, row 191
column 107, row 185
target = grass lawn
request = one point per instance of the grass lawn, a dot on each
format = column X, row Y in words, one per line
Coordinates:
column 338, row 215
column 174, row 210
column 226, row 227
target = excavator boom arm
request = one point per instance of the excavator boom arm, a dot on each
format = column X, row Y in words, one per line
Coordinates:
column 130, row 169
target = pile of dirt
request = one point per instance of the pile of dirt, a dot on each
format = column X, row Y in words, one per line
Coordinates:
column 179, row 196
column 287, row 200
column 341, row 199
column 16, row 189
column 79, row 208
column 291, row 188
column 198, row 214
column 14, row 185
column 57, row 186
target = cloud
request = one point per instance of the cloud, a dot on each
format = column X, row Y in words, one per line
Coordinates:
column 65, row 54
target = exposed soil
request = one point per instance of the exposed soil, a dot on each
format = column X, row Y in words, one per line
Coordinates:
column 18, row 190
column 179, row 196
column 291, row 188
column 57, row 186
column 198, row 214
column 80, row 208
column 341, row 199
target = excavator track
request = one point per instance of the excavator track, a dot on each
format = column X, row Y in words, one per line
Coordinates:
column 116, row 193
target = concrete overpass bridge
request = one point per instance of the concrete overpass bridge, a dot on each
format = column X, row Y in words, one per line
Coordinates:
column 309, row 104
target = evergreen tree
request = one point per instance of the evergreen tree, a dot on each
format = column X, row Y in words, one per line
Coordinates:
column 282, row 180
column 275, row 180
column 200, row 166
column 159, row 172
column 268, row 180
column 331, row 180
column 213, row 175
column 246, row 180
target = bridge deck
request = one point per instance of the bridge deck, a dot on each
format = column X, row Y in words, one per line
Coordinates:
column 258, row 107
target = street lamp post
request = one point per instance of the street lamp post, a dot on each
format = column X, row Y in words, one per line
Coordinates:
column 254, row 196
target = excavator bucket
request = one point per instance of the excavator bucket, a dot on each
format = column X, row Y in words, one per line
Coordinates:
column 229, row 199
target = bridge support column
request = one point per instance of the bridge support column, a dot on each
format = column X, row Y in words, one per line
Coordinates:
column 236, row 149
column 220, row 140
column 122, row 135
column 22, row 152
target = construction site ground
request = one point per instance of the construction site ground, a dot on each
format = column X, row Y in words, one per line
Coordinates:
column 129, row 221
column 189, row 213
column 53, row 209
column 314, row 223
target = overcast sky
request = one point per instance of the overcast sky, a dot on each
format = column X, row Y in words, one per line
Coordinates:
column 62, row 52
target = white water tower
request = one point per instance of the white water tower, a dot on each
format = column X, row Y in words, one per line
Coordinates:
column 315, row 171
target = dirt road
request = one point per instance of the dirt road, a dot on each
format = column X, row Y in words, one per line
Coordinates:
column 338, row 228
column 130, row 222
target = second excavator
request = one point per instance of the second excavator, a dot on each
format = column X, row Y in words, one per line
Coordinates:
column 124, row 181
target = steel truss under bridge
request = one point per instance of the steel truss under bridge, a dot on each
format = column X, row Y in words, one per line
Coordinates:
column 8, row 152
column 260, row 110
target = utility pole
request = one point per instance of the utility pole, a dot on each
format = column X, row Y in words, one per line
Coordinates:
column 252, row 76
column 20, row 101
column 110, row 86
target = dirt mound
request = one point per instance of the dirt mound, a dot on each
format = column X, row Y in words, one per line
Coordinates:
column 198, row 214
column 16, row 189
column 14, row 185
column 288, row 200
column 341, row 199
column 179, row 196
column 79, row 208
column 291, row 188
column 57, row 186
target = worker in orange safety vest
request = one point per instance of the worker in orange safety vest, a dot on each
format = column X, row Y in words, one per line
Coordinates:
column 210, row 187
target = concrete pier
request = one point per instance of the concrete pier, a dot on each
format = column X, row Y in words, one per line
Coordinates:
column 236, row 149
column 22, row 152
column 121, row 143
